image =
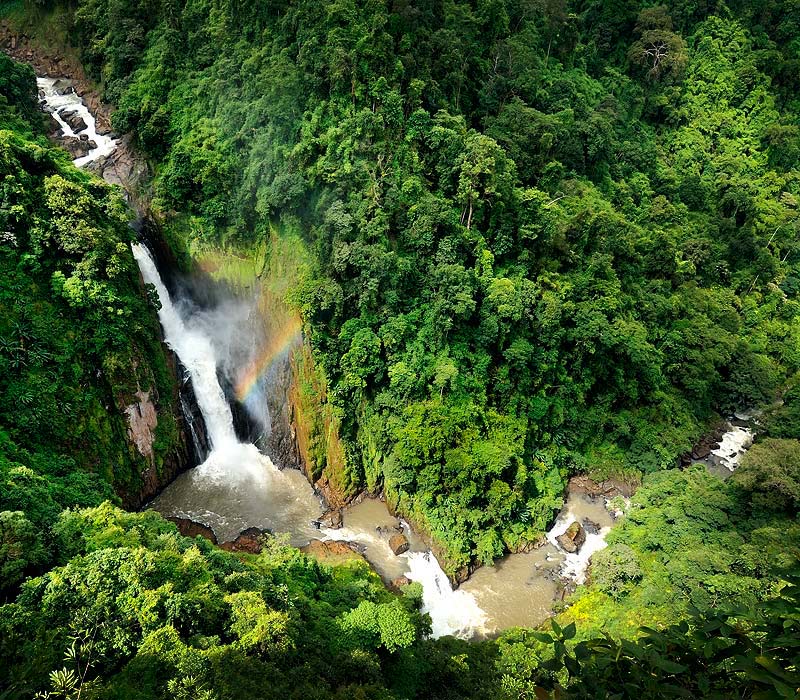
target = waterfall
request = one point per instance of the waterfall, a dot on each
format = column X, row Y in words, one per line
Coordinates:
column 196, row 353
column 452, row 612
column 236, row 487
column 239, row 476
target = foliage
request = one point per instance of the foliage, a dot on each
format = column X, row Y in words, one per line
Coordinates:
column 544, row 236
column 77, row 338
column 538, row 231
column 771, row 471
column 690, row 541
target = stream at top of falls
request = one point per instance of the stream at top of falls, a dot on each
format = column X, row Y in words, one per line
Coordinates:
column 62, row 100
column 238, row 487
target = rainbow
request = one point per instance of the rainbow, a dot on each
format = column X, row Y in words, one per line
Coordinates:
column 278, row 344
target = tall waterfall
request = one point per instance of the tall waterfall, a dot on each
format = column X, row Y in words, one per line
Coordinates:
column 196, row 353
column 236, row 487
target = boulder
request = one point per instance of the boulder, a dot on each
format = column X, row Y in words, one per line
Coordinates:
column 398, row 543
column 572, row 540
column 331, row 550
column 74, row 120
column 249, row 540
column 590, row 526
column 77, row 148
column 400, row 581
column 332, row 519
column 190, row 528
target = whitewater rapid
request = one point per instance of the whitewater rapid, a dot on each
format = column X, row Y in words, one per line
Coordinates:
column 70, row 101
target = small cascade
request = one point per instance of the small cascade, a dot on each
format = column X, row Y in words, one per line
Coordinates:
column 369, row 525
column 455, row 613
column 732, row 446
column 63, row 100
column 576, row 564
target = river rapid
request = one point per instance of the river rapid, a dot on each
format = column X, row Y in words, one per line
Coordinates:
column 238, row 486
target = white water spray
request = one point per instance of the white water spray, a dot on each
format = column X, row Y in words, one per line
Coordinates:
column 72, row 102
column 236, row 487
column 455, row 613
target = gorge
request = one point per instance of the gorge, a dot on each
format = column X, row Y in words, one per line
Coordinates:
column 237, row 486
column 407, row 351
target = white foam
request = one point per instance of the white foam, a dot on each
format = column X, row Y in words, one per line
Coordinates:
column 732, row 446
column 72, row 101
column 576, row 564
column 455, row 613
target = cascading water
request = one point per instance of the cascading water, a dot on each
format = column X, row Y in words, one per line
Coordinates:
column 452, row 612
column 196, row 354
column 61, row 101
column 576, row 564
column 236, row 487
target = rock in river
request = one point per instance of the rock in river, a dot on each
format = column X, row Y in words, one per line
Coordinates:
column 249, row 540
column 74, row 120
column 398, row 543
column 572, row 540
column 332, row 519
column 190, row 528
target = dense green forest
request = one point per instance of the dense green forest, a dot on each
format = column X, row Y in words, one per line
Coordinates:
column 547, row 237
column 77, row 339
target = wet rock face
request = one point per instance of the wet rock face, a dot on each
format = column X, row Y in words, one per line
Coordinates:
column 281, row 442
column 143, row 415
column 192, row 421
column 572, row 540
column 142, row 422
column 74, row 120
column 398, row 543
column 190, row 528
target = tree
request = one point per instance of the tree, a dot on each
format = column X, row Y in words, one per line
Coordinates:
column 770, row 471
column 21, row 548
column 659, row 51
